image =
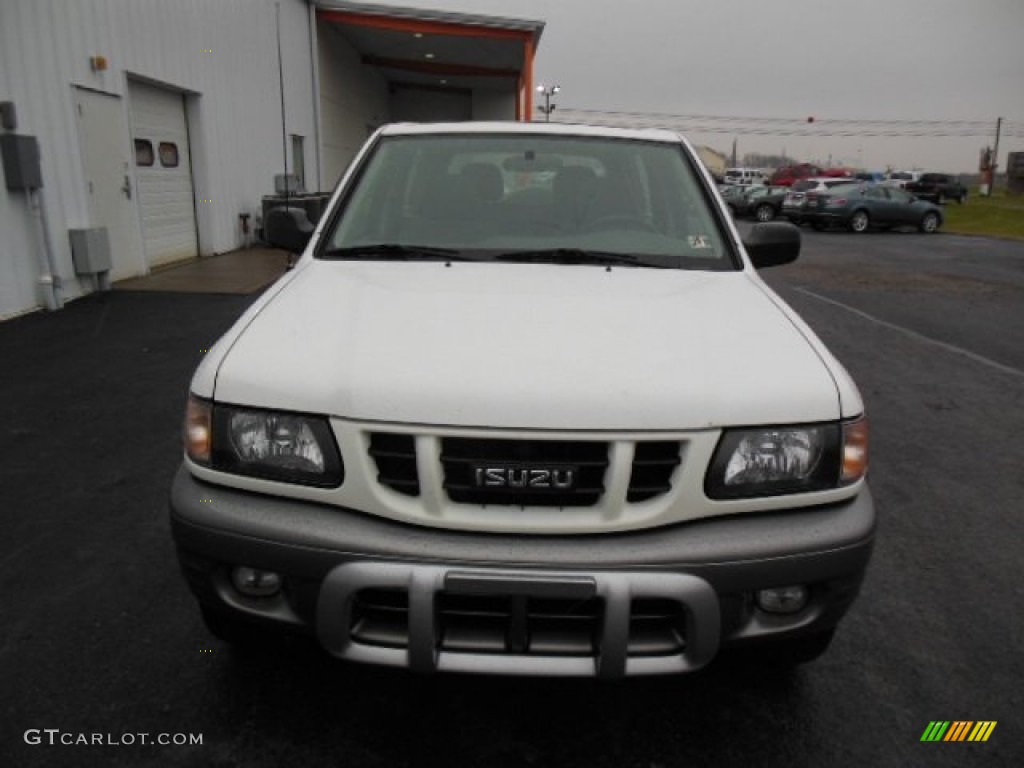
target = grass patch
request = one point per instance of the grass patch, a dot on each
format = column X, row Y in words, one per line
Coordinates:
column 1000, row 215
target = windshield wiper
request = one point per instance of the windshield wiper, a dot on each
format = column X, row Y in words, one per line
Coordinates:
column 396, row 252
column 579, row 256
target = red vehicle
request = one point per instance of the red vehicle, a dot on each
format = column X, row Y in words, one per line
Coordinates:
column 785, row 176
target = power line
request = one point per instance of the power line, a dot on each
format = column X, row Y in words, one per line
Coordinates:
column 788, row 126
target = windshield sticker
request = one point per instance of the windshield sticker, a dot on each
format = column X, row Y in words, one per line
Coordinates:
column 699, row 241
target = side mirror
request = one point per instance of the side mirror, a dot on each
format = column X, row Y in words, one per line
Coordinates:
column 288, row 228
column 772, row 244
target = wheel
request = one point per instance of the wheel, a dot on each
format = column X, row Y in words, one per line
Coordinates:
column 618, row 221
column 764, row 212
column 962, row 199
column 859, row 222
column 929, row 222
column 941, row 198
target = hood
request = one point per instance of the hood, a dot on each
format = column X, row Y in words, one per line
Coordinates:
column 528, row 346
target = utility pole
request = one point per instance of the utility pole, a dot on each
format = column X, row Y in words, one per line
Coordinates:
column 995, row 155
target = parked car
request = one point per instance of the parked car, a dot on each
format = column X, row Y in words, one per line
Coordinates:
column 789, row 174
column 859, row 207
column 733, row 195
column 744, row 177
column 762, row 203
column 871, row 176
column 939, row 187
column 467, row 434
column 794, row 202
column 837, row 172
column 900, row 179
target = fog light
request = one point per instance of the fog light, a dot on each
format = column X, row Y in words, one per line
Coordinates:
column 783, row 599
column 255, row 583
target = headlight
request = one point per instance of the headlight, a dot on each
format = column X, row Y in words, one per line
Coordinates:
column 770, row 461
column 288, row 447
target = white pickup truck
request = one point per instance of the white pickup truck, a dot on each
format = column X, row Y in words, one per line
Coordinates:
column 524, row 406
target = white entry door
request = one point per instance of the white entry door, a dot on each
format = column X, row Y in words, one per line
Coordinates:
column 106, row 164
column 163, row 168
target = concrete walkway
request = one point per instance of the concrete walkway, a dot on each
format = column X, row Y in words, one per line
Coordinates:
column 242, row 272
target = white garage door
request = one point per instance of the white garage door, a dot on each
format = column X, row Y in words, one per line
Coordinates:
column 163, row 171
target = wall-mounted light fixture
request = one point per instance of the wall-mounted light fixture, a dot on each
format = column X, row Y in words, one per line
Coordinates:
column 98, row 63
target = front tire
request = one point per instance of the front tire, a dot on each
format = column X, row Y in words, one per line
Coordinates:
column 929, row 223
column 764, row 213
column 962, row 199
column 859, row 222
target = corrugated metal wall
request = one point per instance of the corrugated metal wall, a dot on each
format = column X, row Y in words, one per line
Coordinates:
column 222, row 53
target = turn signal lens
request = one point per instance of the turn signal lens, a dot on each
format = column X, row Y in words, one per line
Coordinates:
column 855, row 451
column 198, row 433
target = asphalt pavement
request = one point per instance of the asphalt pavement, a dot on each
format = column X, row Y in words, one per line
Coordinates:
column 101, row 636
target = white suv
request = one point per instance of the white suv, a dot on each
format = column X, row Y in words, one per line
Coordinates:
column 489, row 424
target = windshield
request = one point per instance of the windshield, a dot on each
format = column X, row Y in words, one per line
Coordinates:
column 491, row 197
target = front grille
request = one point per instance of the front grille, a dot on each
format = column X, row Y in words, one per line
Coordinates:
column 466, row 460
column 395, row 456
column 517, row 624
column 653, row 465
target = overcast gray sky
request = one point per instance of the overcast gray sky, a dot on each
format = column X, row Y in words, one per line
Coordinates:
column 836, row 60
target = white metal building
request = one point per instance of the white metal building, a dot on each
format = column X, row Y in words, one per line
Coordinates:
column 161, row 121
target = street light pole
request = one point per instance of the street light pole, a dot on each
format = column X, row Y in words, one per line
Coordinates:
column 547, row 91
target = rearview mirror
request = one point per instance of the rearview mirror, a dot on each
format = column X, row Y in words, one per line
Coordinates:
column 288, row 228
column 772, row 244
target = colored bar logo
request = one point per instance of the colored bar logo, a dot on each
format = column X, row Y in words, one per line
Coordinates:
column 958, row 730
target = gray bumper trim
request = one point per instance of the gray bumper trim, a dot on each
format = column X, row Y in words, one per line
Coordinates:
column 424, row 582
column 310, row 539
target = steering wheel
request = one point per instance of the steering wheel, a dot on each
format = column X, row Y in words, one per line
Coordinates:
column 618, row 221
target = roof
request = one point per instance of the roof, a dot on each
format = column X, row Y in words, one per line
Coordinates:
column 550, row 129
column 436, row 48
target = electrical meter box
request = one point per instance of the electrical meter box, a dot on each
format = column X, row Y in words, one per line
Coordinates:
column 21, row 161
column 90, row 250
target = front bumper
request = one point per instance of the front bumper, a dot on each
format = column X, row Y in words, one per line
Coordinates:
column 647, row 602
